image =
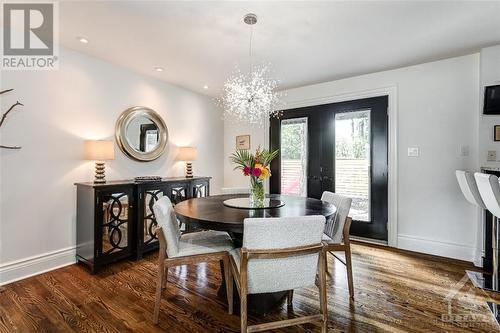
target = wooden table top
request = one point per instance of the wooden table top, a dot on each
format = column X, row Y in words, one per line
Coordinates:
column 211, row 213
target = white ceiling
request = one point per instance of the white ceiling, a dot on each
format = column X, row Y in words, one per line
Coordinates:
column 199, row 43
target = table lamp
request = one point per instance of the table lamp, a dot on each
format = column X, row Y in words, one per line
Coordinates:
column 188, row 154
column 99, row 151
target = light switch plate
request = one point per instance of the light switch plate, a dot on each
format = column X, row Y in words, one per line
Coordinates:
column 413, row 152
column 492, row 155
column 464, row 151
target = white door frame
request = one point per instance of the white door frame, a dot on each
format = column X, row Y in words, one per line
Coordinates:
column 391, row 92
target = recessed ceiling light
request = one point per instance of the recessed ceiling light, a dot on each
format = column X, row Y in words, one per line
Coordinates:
column 83, row 40
column 159, row 69
column 205, row 87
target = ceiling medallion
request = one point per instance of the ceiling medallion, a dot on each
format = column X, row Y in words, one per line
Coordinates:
column 250, row 97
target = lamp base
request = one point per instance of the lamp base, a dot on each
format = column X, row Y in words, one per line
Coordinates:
column 189, row 170
column 100, row 177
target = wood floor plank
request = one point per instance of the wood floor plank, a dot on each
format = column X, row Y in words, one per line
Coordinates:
column 77, row 319
column 395, row 291
column 25, row 298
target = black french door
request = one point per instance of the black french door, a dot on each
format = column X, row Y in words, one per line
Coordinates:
column 339, row 147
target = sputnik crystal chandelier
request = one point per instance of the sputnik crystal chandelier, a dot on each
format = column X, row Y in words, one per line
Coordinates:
column 250, row 97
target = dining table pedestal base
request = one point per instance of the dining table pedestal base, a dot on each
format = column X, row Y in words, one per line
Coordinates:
column 257, row 304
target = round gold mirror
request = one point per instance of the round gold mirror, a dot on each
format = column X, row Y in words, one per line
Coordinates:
column 141, row 134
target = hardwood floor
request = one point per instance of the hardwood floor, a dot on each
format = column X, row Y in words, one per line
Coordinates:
column 394, row 292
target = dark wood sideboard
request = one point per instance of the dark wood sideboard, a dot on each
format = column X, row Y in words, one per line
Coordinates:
column 116, row 221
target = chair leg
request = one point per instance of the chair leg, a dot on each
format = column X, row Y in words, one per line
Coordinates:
column 348, row 265
column 322, row 294
column 243, row 312
column 229, row 284
column 161, row 273
column 165, row 278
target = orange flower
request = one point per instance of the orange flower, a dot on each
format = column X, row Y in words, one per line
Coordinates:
column 265, row 173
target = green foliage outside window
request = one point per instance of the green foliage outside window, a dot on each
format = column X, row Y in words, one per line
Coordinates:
column 292, row 137
column 357, row 147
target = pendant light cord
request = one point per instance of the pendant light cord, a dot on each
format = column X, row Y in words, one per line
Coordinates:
column 250, row 48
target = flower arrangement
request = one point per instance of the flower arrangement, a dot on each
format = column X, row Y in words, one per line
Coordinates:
column 256, row 166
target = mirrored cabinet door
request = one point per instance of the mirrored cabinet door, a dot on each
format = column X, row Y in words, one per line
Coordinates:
column 148, row 195
column 149, row 198
column 200, row 189
column 179, row 192
column 114, row 216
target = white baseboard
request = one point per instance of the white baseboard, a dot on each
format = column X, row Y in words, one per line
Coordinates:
column 23, row 268
column 478, row 259
column 438, row 248
column 368, row 240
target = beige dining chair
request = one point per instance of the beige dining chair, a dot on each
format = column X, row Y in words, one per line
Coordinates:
column 336, row 236
column 186, row 249
column 280, row 254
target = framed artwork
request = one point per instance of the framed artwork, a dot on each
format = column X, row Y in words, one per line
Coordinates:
column 243, row 142
column 496, row 133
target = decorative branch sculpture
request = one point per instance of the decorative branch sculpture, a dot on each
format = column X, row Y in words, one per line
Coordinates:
column 4, row 116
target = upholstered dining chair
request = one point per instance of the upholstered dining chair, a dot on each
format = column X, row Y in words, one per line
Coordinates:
column 280, row 254
column 191, row 248
column 336, row 236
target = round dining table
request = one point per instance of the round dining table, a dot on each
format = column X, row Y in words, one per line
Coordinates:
column 210, row 213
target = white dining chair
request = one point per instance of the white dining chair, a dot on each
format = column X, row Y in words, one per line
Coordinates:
column 191, row 248
column 280, row 254
column 336, row 236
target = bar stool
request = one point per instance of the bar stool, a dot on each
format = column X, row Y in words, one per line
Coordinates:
column 489, row 189
column 468, row 185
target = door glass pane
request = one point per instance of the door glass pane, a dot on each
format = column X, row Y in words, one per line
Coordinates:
column 353, row 162
column 294, row 157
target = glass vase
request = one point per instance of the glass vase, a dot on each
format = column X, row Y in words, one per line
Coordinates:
column 256, row 193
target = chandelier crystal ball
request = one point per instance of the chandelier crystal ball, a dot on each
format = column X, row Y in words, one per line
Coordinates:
column 250, row 97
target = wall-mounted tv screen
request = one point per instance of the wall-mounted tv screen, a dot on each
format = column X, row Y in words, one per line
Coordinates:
column 492, row 100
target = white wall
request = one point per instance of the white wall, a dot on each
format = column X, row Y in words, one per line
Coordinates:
column 258, row 137
column 62, row 108
column 437, row 106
